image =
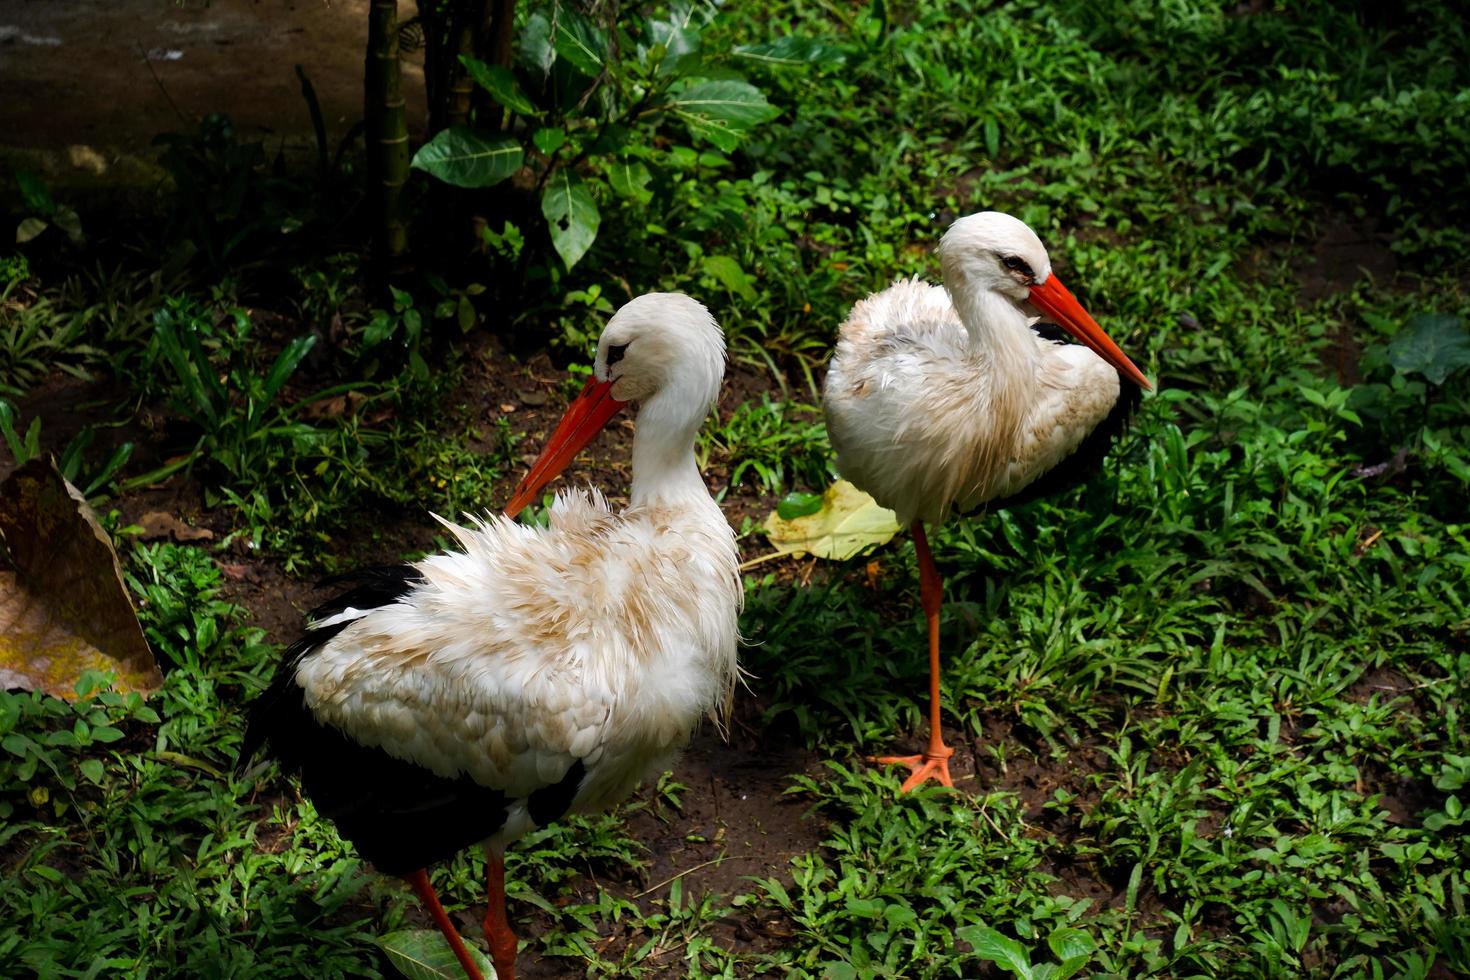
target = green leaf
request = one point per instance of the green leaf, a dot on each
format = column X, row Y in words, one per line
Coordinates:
column 92, row 769
column 571, row 213
column 1454, row 773
column 674, row 41
column 1067, row 942
column 424, row 954
column 533, row 46
column 793, row 51
column 720, row 111
column 7, row 430
column 848, row 522
column 1000, row 950
column 35, row 194
column 728, row 273
column 798, row 504
column 501, row 83
column 379, row 329
column 580, row 41
column 1073, row 947
column 191, row 366
column 286, row 363
column 68, row 221
column 630, row 178
column 549, row 140
column 465, row 158
column 1431, row 344
column 28, row 229
column 1069, row 968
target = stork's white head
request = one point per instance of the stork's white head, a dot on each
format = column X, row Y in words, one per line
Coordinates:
column 993, row 252
column 663, row 350
column 662, row 342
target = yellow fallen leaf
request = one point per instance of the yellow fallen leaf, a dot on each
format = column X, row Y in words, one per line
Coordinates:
column 849, row 522
column 64, row 608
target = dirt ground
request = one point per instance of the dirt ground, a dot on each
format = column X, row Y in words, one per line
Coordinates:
column 156, row 66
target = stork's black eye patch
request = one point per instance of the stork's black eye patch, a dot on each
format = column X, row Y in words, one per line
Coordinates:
column 1017, row 264
column 615, row 353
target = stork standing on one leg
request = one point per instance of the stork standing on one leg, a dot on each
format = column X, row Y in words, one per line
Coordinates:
column 535, row 672
column 947, row 398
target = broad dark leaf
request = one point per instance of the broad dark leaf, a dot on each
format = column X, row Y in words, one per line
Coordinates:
column 466, row 158
column 572, row 215
column 793, row 51
column 501, row 83
column 35, row 194
column 630, row 178
column 1001, row 950
column 1431, row 344
column 722, row 110
column 580, row 41
column 726, row 270
column 424, row 954
column 534, row 49
column 672, row 42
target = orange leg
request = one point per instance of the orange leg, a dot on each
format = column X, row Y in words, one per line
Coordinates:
column 934, row 762
column 497, row 925
column 420, row 881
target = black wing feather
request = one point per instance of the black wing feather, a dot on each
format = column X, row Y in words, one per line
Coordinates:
column 401, row 816
column 1088, row 457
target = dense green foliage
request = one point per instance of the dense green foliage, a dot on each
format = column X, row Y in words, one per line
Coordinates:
column 1217, row 695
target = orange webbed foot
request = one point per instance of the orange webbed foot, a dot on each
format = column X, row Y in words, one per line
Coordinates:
column 933, row 764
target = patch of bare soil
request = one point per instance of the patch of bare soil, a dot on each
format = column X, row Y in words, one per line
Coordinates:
column 156, row 66
column 1345, row 253
column 733, row 824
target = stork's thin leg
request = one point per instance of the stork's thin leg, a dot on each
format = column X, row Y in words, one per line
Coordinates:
column 419, row 880
column 497, row 925
column 934, row 763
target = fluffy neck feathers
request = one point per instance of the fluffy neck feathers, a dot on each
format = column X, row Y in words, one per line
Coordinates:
column 664, row 468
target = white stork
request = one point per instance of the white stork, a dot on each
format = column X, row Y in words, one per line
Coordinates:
column 534, row 672
column 948, row 398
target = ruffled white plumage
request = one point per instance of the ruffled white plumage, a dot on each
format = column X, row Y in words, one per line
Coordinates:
column 924, row 421
column 602, row 638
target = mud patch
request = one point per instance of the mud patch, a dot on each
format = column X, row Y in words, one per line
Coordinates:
column 163, row 66
column 1345, row 253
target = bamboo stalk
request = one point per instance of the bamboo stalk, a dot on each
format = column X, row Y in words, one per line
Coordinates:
column 386, row 119
column 435, row 16
column 496, row 40
column 499, row 28
column 461, row 42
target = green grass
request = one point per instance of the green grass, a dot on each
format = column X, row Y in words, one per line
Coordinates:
column 771, row 445
column 1217, row 695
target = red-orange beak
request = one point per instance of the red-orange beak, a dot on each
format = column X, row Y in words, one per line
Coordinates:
column 1057, row 302
column 585, row 417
